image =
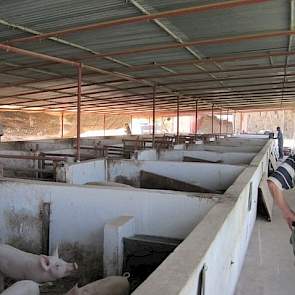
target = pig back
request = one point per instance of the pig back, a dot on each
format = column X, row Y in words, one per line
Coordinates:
column 22, row 288
column 14, row 263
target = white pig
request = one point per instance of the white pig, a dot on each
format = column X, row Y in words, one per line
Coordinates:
column 113, row 285
column 23, row 288
column 20, row 265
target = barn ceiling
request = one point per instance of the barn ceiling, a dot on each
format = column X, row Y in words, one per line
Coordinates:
column 234, row 55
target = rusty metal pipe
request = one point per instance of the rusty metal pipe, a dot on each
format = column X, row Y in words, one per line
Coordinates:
column 154, row 114
column 79, row 82
column 220, row 59
column 60, row 89
column 24, row 157
column 231, row 39
column 220, row 123
column 237, row 77
column 212, row 119
column 177, row 120
column 203, row 94
column 227, row 122
column 142, row 18
column 196, row 123
column 62, row 124
column 32, row 54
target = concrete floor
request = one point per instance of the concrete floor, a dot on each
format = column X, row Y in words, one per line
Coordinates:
column 269, row 265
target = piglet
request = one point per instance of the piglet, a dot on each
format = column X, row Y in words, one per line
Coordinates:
column 113, row 285
column 20, row 265
column 23, row 288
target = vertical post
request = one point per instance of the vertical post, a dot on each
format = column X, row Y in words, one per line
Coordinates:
column 241, row 123
column 234, row 123
column 177, row 120
column 212, row 123
column 220, row 122
column 196, row 123
column 154, row 114
column 104, row 124
column 78, row 155
column 226, row 122
column 62, row 124
column 45, row 217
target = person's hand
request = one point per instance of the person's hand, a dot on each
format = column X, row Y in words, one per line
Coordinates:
column 289, row 217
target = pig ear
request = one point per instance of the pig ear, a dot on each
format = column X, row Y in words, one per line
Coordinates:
column 45, row 263
column 55, row 252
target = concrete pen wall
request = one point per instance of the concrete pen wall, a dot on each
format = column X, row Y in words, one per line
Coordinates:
column 212, row 176
column 216, row 248
column 177, row 155
column 79, row 213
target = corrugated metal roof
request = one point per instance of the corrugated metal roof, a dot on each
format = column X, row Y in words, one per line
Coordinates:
column 197, row 75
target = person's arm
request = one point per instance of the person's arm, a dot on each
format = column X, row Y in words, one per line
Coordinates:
column 281, row 202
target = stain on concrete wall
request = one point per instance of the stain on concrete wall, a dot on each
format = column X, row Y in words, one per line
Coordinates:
column 24, row 230
column 88, row 259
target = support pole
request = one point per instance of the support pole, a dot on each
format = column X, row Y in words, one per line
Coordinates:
column 104, row 124
column 154, row 114
column 78, row 155
column 234, row 123
column 177, row 120
column 196, row 123
column 241, row 123
column 45, row 217
column 212, row 114
column 62, row 124
column 226, row 122
column 220, row 122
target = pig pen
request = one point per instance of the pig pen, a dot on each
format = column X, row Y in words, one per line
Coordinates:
column 33, row 159
column 232, row 158
column 173, row 175
column 210, row 259
column 208, row 232
column 82, row 220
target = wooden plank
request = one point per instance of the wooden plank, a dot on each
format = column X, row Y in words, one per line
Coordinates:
column 155, row 181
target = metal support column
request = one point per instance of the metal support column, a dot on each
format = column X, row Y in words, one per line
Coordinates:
column 234, row 123
column 104, row 124
column 220, row 122
column 226, row 122
column 78, row 155
column 154, row 114
column 196, row 123
column 62, row 124
column 177, row 120
column 212, row 119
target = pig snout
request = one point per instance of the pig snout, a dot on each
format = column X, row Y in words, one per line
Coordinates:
column 72, row 267
column 56, row 268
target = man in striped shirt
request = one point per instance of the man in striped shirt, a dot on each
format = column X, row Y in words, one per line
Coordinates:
column 283, row 179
